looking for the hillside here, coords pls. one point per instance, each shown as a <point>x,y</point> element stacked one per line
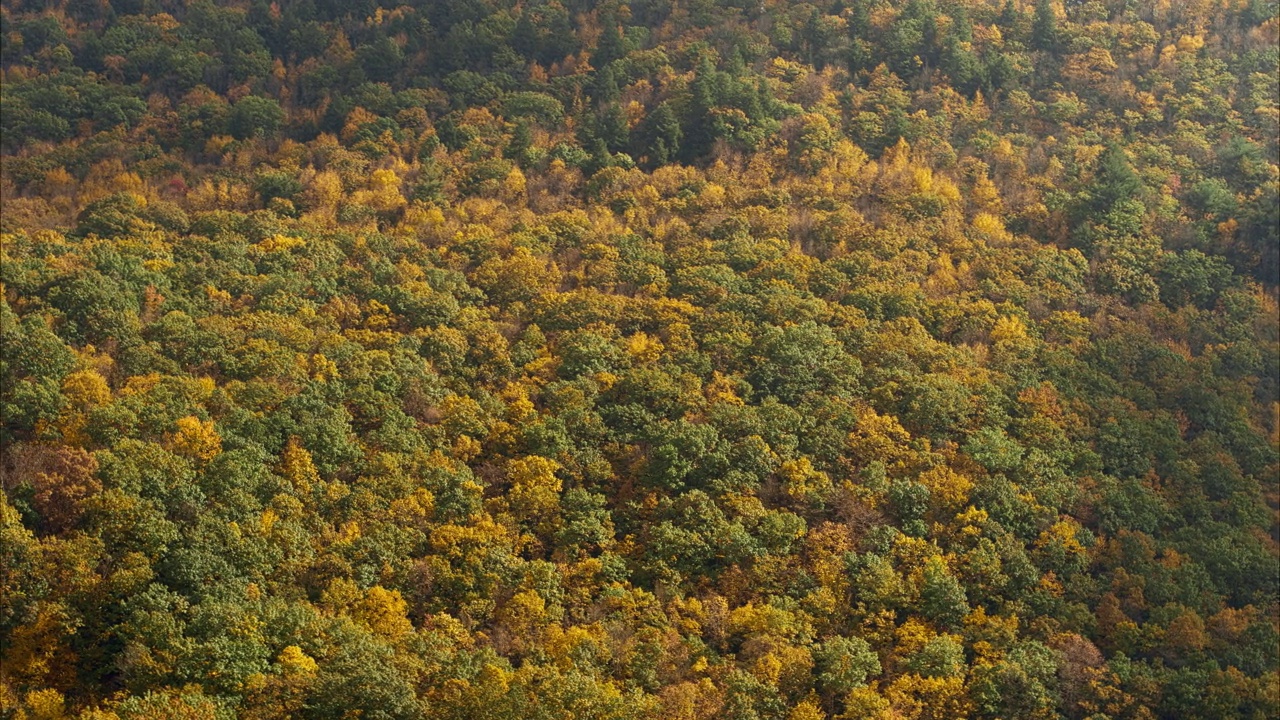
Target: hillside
<point>661,360</point>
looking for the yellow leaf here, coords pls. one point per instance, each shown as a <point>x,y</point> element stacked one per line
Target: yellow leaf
<point>196,438</point>
<point>296,662</point>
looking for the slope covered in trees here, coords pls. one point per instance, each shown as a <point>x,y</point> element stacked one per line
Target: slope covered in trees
<point>672,359</point>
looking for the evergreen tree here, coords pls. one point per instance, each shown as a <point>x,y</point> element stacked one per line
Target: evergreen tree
<point>1044,27</point>
<point>659,136</point>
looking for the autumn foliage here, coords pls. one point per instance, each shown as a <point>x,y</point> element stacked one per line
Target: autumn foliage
<point>482,359</point>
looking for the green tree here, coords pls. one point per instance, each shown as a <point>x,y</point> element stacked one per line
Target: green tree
<point>942,597</point>
<point>845,663</point>
<point>255,116</point>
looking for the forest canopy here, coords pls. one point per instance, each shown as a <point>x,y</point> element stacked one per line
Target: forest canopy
<point>663,359</point>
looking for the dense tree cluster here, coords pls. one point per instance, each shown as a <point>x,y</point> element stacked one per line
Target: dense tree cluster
<point>671,359</point>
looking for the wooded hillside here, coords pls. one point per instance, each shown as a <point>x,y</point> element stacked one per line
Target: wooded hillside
<point>671,360</point>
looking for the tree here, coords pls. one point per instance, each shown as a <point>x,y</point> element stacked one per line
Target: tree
<point>196,439</point>
<point>1114,183</point>
<point>659,136</point>
<point>255,116</point>
<point>534,486</point>
<point>942,598</point>
<point>33,364</point>
<point>844,664</point>
<point>1044,27</point>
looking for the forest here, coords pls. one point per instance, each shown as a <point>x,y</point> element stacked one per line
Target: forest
<point>640,360</point>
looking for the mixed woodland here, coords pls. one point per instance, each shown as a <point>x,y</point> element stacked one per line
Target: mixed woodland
<point>662,359</point>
